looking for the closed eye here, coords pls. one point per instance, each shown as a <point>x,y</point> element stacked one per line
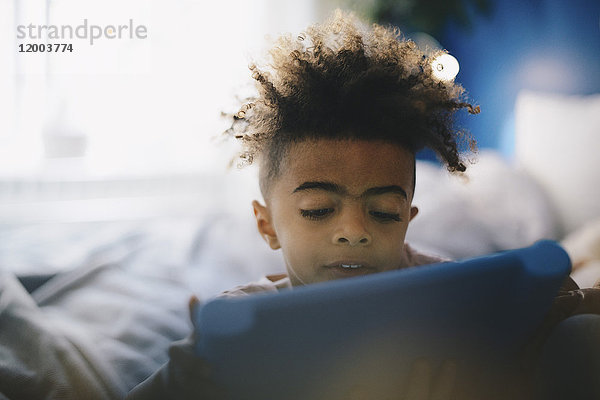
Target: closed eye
<point>385,217</point>
<point>316,214</point>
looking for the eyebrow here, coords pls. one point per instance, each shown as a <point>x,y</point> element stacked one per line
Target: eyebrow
<point>335,188</point>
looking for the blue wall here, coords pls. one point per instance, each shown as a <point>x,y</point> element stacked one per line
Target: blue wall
<point>544,45</point>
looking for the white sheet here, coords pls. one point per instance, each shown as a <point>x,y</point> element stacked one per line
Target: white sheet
<point>92,333</point>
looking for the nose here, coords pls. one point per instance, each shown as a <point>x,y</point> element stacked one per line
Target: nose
<point>352,229</point>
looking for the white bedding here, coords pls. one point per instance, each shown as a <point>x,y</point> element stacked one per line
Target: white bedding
<point>494,207</point>
<point>91,333</point>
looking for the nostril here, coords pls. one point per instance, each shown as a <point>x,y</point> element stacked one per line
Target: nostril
<point>343,240</point>
<point>364,240</point>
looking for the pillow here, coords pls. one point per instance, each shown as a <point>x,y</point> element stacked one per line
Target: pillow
<point>557,143</point>
<point>494,207</point>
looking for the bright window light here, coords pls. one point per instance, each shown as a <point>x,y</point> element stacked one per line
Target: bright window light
<point>136,106</point>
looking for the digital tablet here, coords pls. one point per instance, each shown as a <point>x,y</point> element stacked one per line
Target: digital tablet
<point>325,340</point>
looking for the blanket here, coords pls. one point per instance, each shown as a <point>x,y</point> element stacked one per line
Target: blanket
<point>92,333</point>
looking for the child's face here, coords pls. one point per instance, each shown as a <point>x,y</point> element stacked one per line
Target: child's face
<point>339,202</point>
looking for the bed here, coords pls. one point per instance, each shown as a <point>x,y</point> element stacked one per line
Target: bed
<point>88,306</point>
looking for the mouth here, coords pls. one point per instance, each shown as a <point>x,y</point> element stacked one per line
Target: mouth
<point>349,268</point>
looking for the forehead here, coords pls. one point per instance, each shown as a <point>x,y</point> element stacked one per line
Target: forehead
<point>355,164</point>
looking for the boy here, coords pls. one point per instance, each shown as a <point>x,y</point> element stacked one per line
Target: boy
<point>340,113</point>
<point>339,116</point>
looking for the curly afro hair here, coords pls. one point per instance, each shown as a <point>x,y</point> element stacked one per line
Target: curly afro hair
<point>344,80</point>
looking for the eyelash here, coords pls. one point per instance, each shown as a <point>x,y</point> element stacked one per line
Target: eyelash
<point>385,216</point>
<point>322,213</point>
<point>316,214</point>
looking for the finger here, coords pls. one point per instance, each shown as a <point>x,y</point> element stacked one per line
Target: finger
<point>443,387</point>
<point>419,380</point>
<point>192,305</point>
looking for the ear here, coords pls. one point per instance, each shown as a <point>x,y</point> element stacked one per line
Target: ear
<point>413,212</point>
<point>265,225</point>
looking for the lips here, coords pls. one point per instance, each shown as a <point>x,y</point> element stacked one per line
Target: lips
<point>348,268</point>
<point>350,264</point>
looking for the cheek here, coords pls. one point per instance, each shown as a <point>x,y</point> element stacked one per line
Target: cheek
<point>291,232</point>
<point>301,241</point>
<point>391,238</point>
